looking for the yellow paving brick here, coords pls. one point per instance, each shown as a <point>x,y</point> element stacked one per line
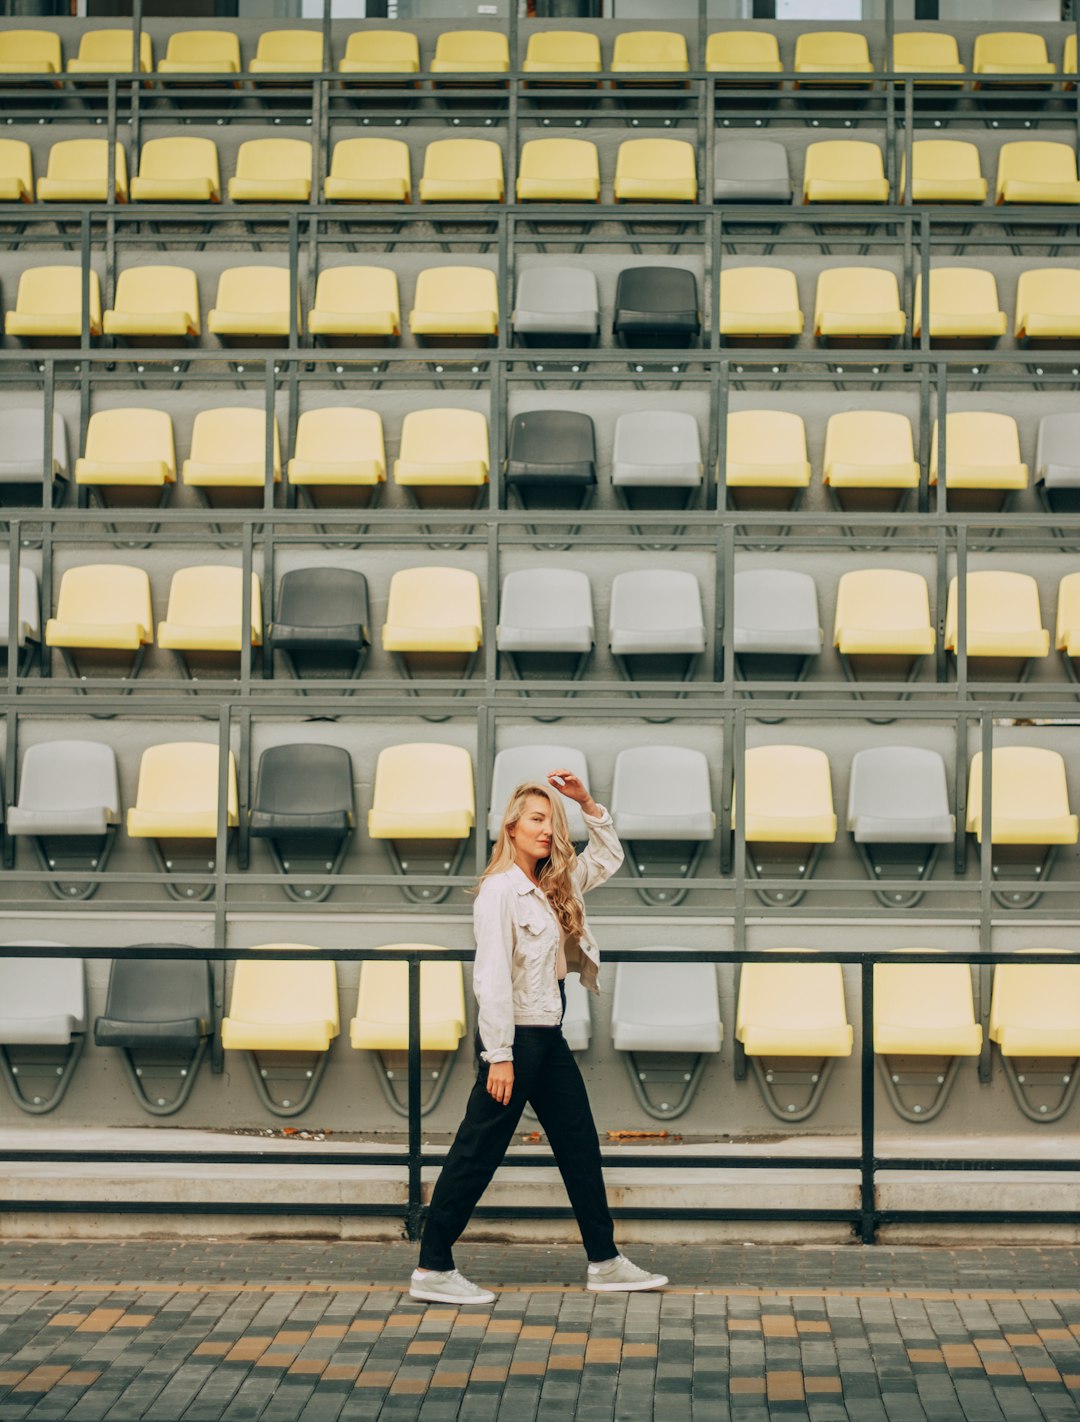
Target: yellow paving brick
<point>537,1330</point>
<point>784,1386</point>
<point>409,1385</point>
<point>340,1372</point>
<point>1041,1375</point>
<point>1001,1367</point>
<point>291,1338</point>
<point>960,1355</point>
<point>1055,1335</point>
<point>504,1325</point>
<point>815,1384</point>
<point>366,1325</point>
<point>925,1355</point>
<point>329,1330</point>
<point>278,1359</point>
<point>992,1345</point>
<point>639,1350</point>
<point>778,1325</point>
<point>211,1350</point>
<point>566,1362</point>
<point>575,1338</point>
<point>247,1350</point>
<point>41,1379</point>
<point>746,1385</point>
<point>488,1372</point>
<point>309,1366</point>
<point>1023,1340</point>
<point>450,1380</point>
<point>9,1377</point>
<point>66,1320</point>
<point>374,1379</point>
<point>100,1320</point>
<point>1071,1380</point>
<point>528,1370</point>
<point>134,1320</point>
<point>403,1320</point>
<point>429,1346</point>
<point>77,1379</point>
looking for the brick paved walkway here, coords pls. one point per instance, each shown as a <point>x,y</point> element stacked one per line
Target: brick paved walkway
<point>316,1332</point>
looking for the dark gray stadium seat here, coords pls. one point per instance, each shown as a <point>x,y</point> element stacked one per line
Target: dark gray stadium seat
<point>322,621</point>
<point>656,308</point>
<point>552,459</point>
<point>304,809</point>
<point>163,1008</point>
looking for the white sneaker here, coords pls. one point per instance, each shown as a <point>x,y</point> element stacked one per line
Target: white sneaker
<point>619,1276</point>
<point>449,1287</point>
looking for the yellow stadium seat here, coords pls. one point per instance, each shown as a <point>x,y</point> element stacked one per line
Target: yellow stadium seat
<point>155,304</point>
<point>339,458</point>
<point>759,305</point>
<point>228,452</point>
<point>1048,306</point>
<point>433,621</point>
<point>48,306</point>
<point>30,52</point>
<point>563,52</point>
<point>743,52</point>
<point>1004,622</point>
<point>205,612</point>
<point>272,170</point>
<point>455,305</point>
<point>792,1010</point>
<point>1030,811</point>
<point>869,459</point>
<point>462,170</point>
<point>201,52</point>
<point>831,52</point>
<point>471,52</point>
<point>443,455</point>
<point>945,170</point>
<point>858,305</point>
<point>656,170</point>
<point>1067,629</point>
<point>844,170</point>
<point>353,303</point>
<point>927,55</point>
<point>559,170</point>
<point>789,805</point>
<point>79,172</point>
<point>369,170</point>
<point>16,170</point>
<point>288,52</point>
<point>1035,172</point>
<point>767,465</point>
<point>178,170</point>
<point>649,51</point>
<point>1009,52</point>
<point>984,469</point>
<point>963,307</point>
<point>1035,1015</point>
<point>286,1006</point>
<point>923,1011</point>
<point>882,625</point>
<point>176,803</point>
<point>381,1023</point>
<point>111,52</point>
<point>381,52</point>
<point>423,801</point>
<point>129,457</point>
<point>252,307</point>
<point>1068,59</point>
<point>102,607</point>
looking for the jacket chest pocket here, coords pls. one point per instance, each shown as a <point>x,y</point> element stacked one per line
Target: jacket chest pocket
<point>535,929</point>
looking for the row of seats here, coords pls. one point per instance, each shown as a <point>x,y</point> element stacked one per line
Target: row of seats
<point>654,306</point>
<point>551,170</point>
<point>570,52</point>
<point>423,810</point>
<point>665,1019</point>
<point>551,461</point>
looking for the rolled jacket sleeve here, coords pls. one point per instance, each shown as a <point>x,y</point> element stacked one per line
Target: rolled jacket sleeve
<point>493,924</point>
<point>602,855</point>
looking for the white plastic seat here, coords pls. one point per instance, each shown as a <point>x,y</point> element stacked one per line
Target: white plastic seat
<point>666,1018</point>
<point>546,622</point>
<point>777,626</point>
<point>69,806</point>
<point>661,798</point>
<point>516,765</point>
<point>898,815</point>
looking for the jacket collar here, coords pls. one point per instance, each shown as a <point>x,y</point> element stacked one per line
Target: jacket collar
<point>520,880</point>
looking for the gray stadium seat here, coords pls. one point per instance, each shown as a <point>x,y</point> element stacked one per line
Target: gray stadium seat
<point>777,631</point>
<point>69,806</point>
<point>545,625</point>
<point>22,448</point>
<point>28,621</point>
<point>557,307</point>
<point>751,170</point>
<point>163,1009</point>
<point>656,628</point>
<point>656,459</point>
<point>577,1020</point>
<point>517,764</point>
<point>322,622</point>
<point>661,802</point>
<point>666,1018</point>
<point>898,815</point>
<point>304,808</point>
<point>42,1007</point>
<point>1057,462</point>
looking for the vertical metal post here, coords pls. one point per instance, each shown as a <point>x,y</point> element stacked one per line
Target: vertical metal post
<point>270,409</point>
<point>719,462</point>
<point>247,568</point>
<point>243,835</point>
<point>867,1200</point>
<point>269,589</point>
<point>909,139</point>
<point>84,281</point>
<point>14,528</point>
<point>11,761</point>
<point>221,845</point>
<point>48,461</point>
<point>413,1209</point>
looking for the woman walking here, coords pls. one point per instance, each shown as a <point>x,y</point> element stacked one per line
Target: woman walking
<point>530,930</point>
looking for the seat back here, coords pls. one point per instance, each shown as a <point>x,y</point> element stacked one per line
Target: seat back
<point>1044,997</point>
<point>430,598</point>
<point>34,992</point>
<point>457,290</point>
<point>831,49</point>
<point>280,158</point>
<point>28,621</point>
<point>57,291</point>
<point>531,764</point>
<point>566,159</point>
<point>844,160</point>
<point>323,597</point>
<point>1035,161</point>
<point>258,291</point>
<point>1010,51</point>
<point>472,49</point>
<point>285,993</point>
<point>793,998</point>
<point>959,291</point>
<point>15,159</point>
<point>212,596</point>
<point>379,158</point>
<point>923,995</point>
<point>149,990</point>
<point>337,431</point>
<point>114,49</point>
<point>298,780</point>
<point>382,1003</point>
<point>882,599</point>
<point>546,599</point>
<point>22,445</point>
<point>777,600</point>
<point>758,290</point>
<point>658,439</point>
<point>765,437</point>
<point>30,52</point>
<point>302,48</point>
<point>109,594</point>
<point>942,159</point>
<point>922,49</point>
<point>181,159</point>
<point>977,438</point>
<point>128,435</point>
<point>666,1007</point>
<point>662,792</point>
<point>182,777</point>
<point>656,158</point>
<point>424,778</point>
<point>792,786</point>
<point>864,291</point>
<point>214,50</point>
<point>152,291</point>
<point>656,50</point>
<point>357,291</point>
<point>394,50</point>
<point>463,160</point>
<point>231,435</point>
<point>1026,783</point>
<point>742,49</point>
<point>70,776</point>
<point>1047,291</point>
<point>660,600</point>
<point>897,783</point>
<point>563,49</point>
<point>444,436</point>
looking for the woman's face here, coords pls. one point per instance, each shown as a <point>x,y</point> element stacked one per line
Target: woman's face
<point>532,832</point>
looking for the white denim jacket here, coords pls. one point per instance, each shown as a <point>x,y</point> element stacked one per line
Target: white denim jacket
<point>517,944</point>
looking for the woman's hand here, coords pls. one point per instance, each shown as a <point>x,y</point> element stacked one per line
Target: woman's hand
<point>568,784</point>
<point>500,1081</point>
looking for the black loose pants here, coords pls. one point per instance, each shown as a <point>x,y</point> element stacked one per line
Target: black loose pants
<point>546,1076</point>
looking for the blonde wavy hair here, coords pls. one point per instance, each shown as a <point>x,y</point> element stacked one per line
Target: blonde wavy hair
<point>556,872</point>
